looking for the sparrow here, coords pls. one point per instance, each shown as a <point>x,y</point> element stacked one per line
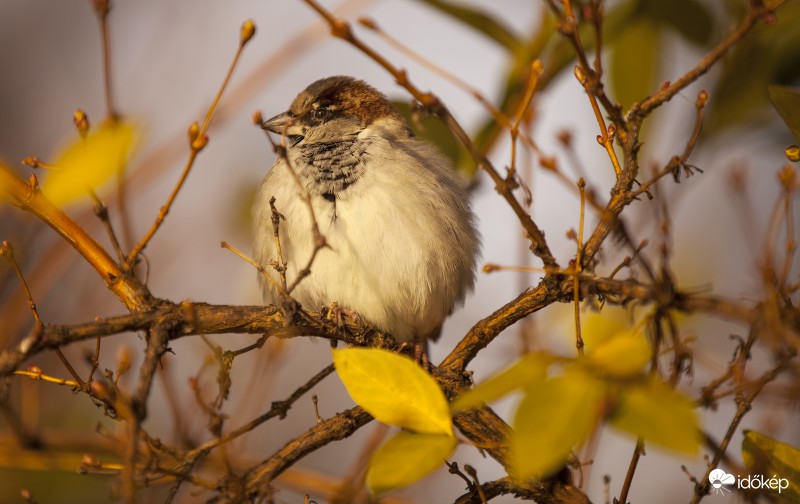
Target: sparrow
<point>402,238</point>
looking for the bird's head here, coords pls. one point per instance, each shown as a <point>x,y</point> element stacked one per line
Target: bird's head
<point>333,109</point>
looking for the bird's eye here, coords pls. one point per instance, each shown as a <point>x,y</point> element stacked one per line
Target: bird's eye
<point>320,113</point>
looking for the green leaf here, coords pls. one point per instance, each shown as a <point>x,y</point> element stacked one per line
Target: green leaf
<point>625,354</point>
<point>659,414</point>
<point>634,61</point>
<point>394,389</point>
<point>433,130</point>
<point>530,369</point>
<point>553,417</point>
<point>763,455</point>
<point>88,162</point>
<point>769,55</point>
<point>478,20</point>
<point>787,102</point>
<point>406,458</point>
<point>690,18</point>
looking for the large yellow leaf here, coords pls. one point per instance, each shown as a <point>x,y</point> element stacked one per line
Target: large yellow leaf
<point>406,458</point>
<point>624,354</point>
<point>659,414</point>
<point>90,161</point>
<point>599,327</point>
<point>553,417</point>
<point>778,462</point>
<point>394,389</point>
<point>528,370</point>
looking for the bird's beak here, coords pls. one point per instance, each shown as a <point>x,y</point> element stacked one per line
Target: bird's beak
<point>280,124</point>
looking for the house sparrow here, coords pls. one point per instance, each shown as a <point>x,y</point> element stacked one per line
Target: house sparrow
<point>396,217</point>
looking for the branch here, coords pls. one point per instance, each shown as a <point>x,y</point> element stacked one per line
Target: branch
<point>130,291</point>
<point>506,486</point>
<point>157,340</point>
<point>197,318</point>
<point>197,141</point>
<point>757,11</point>
<point>202,318</point>
<point>336,428</point>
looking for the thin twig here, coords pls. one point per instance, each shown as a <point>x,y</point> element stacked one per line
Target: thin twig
<point>7,251</point>
<point>95,361</point>
<point>626,485</point>
<point>595,8</point>
<point>788,179</point>
<point>521,112</point>
<point>102,8</point>
<point>498,115</point>
<point>578,270</point>
<point>756,12</point>
<point>37,374</point>
<point>592,83</point>
<point>70,369</point>
<point>677,162</point>
<point>278,409</point>
<point>276,217</point>
<point>101,211</point>
<point>319,239</point>
<point>743,405</point>
<point>607,133</point>
<point>197,141</point>
<point>254,264</point>
<point>492,267</point>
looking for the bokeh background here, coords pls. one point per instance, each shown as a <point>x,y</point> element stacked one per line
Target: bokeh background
<point>168,61</point>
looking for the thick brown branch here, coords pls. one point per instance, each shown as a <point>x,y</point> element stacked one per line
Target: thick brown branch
<point>199,318</point>
<point>202,318</point>
<point>483,332</point>
<point>505,486</point>
<point>133,294</point>
<point>336,428</point>
<point>157,341</point>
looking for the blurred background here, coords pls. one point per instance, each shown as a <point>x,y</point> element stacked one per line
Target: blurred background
<point>168,60</point>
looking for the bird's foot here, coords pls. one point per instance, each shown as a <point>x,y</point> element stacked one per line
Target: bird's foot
<point>339,315</point>
<point>418,352</point>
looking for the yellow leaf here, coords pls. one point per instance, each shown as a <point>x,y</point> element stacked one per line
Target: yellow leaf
<point>553,417</point>
<point>406,458</point>
<point>88,162</point>
<point>660,415</point>
<point>528,370</point>
<point>778,462</point>
<point>3,190</point>
<point>600,327</point>
<point>394,389</point>
<point>625,354</point>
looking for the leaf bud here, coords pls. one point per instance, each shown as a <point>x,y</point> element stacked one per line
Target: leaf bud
<point>247,31</point>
